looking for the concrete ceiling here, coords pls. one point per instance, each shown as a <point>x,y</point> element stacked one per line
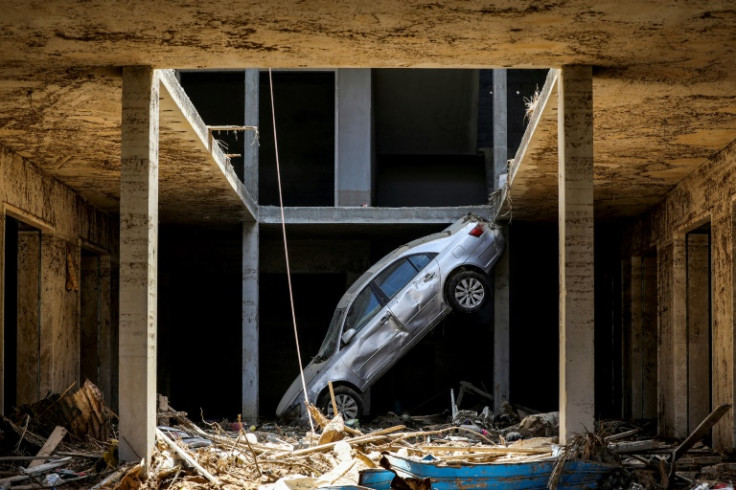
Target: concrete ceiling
<point>664,79</point>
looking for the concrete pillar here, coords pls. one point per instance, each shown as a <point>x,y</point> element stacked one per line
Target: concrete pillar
<point>723,248</point>
<point>501,330</point>
<point>354,137</point>
<point>575,129</point>
<point>250,265</point>
<point>250,152</point>
<point>671,361</point>
<point>138,262</point>
<point>250,322</point>
<point>500,125</point>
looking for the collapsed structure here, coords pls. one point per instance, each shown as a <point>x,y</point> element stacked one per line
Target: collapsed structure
<point>632,139</point>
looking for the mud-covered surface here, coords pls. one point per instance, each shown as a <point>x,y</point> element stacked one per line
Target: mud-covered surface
<point>68,125</point>
<point>663,78</point>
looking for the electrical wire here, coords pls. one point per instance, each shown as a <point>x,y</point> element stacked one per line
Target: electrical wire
<point>286,254</point>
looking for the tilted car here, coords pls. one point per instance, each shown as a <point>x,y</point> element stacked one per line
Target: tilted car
<point>391,307</point>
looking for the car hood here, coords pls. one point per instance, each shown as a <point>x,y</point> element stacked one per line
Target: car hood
<point>295,393</point>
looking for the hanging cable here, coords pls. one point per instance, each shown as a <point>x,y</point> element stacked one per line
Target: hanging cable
<point>286,254</point>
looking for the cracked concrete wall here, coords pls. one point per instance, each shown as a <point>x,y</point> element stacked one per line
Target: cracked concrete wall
<point>706,195</point>
<point>67,223</point>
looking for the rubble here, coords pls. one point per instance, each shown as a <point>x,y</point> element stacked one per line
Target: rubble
<point>228,455</point>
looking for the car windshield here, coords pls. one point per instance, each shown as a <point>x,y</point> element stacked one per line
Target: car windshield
<point>329,345</point>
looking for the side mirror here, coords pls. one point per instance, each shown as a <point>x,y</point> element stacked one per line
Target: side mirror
<point>348,336</point>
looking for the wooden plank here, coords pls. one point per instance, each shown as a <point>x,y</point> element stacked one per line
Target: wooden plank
<point>700,431</point>
<point>186,457</point>
<point>50,445</point>
<point>621,435</point>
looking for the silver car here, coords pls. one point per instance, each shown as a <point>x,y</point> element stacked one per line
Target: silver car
<point>391,307</point>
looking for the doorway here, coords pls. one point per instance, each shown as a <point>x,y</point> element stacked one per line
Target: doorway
<point>699,320</point>
<point>22,335</point>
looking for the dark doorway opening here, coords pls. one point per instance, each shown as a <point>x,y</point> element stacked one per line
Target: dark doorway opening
<point>22,314</point>
<point>699,322</point>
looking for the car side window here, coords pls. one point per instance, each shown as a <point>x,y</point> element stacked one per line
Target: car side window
<point>398,274</point>
<point>420,261</point>
<point>366,305</point>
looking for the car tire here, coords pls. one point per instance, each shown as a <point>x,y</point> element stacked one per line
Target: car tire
<point>467,291</point>
<point>348,401</point>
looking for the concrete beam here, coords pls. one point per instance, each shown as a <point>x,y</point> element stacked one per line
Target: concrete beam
<point>138,262</point>
<point>368,215</point>
<point>545,113</point>
<point>575,128</point>
<point>354,137</point>
<point>178,114</point>
<point>530,172</point>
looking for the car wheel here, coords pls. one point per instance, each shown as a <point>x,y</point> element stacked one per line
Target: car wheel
<point>467,291</point>
<point>348,403</point>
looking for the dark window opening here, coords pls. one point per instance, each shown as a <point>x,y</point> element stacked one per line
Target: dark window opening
<point>305,127</point>
<point>219,97</point>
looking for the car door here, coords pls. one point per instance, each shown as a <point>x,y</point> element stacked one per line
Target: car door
<point>382,345</point>
<point>418,305</point>
<point>366,332</point>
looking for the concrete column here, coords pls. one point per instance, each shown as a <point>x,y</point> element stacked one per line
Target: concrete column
<point>250,376</point>
<point>138,262</point>
<point>723,248</point>
<point>575,129</point>
<point>671,360</point>
<point>250,152</point>
<point>500,125</point>
<point>501,330</point>
<point>354,137</point>
<point>251,259</point>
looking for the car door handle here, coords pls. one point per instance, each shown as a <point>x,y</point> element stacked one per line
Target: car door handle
<point>384,319</point>
<point>428,277</point>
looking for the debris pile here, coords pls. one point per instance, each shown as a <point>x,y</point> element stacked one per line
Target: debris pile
<point>68,440</point>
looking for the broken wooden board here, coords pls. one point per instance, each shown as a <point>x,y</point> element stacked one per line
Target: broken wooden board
<point>50,445</point>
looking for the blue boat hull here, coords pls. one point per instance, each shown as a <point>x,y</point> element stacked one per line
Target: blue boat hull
<point>525,475</point>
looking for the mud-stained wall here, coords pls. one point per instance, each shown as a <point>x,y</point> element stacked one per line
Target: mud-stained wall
<point>705,196</point>
<point>49,327</point>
